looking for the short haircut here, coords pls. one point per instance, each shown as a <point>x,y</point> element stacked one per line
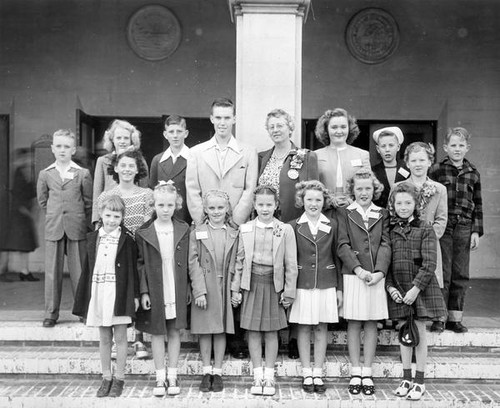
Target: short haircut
<point>113,203</point>
<point>109,134</point>
<point>457,131</point>
<point>175,120</point>
<point>404,187</point>
<point>222,102</point>
<point>280,113</point>
<point>364,174</point>
<point>302,187</point>
<point>168,188</point>
<point>142,170</point>
<point>65,133</point>
<point>420,147</point>
<point>322,126</point>
<point>218,194</point>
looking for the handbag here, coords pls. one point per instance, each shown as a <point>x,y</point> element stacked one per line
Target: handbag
<point>408,332</point>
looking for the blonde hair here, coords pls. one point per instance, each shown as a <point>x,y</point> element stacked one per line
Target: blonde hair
<point>109,134</point>
<point>457,131</point>
<point>66,133</point>
<point>218,194</point>
<point>302,187</point>
<point>167,188</point>
<point>364,174</point>
<point>419,147</point>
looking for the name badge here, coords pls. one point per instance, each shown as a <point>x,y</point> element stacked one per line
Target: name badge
<point>356,162</point>
<point>246,228</point>
<point>69,176</point>
<point>325,228</point>
<point>405,173</point>
<point>201,235</point>
<point>372,214</point>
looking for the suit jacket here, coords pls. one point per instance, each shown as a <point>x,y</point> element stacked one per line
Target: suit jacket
<point>67,203</point>
<point>308,171</point>
<point>238,180</point>
<point>149,265</point>
<point>127,279</point>
<point>167,170</point>
<point>284,256</point>
<point>369,247</point>
<point>402,173</point>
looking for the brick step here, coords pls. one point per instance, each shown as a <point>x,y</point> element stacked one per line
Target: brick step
<point>85,360</point>
<point>75,333</point>
<point>78,392</point>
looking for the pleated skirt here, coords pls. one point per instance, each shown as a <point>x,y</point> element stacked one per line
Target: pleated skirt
<point>362,302</point>
<point>314,306</point>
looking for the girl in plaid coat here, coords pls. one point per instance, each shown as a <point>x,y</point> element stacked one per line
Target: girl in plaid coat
<point>411,281</point>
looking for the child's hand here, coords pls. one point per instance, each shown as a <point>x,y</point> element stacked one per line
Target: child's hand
<point>340,299</point>
<point>201,302</point>
<point>136,304</point>
<point>474,241</point>
<point>285,301</point>
<point>395,294</point>
<point>236,298</point>
<point>363,274</point>
<point>411,295</point>
<point>376,278</point>
<point>145,301</point>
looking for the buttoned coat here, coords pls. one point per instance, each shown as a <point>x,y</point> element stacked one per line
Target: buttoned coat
<point>284,258</point>
<point>318,263</point>
<point>149,266</point>
<point>203,267</point>
<point>308,171</point>
<point>67,203</point>
<point>238,180</point>
<point>127,278</point>
<point>168,170</point>
<point>369,247</point>
<point>402,173</point>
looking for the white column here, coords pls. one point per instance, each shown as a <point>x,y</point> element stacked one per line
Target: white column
<point>268,64</point>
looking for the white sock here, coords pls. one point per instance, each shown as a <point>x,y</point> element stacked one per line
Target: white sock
<point>160,375</point>
<point>366,372</point>
<point>317,372</point>
<point>172,373</point>
<point>269,373</point>
<point>207,370</point>
<point>217,371</point>
<point>356,371</point>
<point>258,373</point>
<point>307,372</point>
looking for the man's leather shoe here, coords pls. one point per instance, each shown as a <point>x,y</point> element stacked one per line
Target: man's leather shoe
<point>49,323</point>
<point>456,327</point>
<point>293,351</point>
<point>437,327</point>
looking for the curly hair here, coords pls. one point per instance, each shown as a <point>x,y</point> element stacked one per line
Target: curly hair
<point>324,120</point>
<point>302,187</point>
<point>364,174</point>
<point>280,113</point>
<point>109,134</point>
<point>142,171</point>
<point>168,188</point>
<point>218,194</point>
<point>404,187</point>
<point>420,147</point>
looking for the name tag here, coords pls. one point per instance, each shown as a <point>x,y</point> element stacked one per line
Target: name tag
<point>69,176</point>
<point>201,234</point>
<point>325,228</point>
<point>246,228</point>
<point>356,162</point>
<point>371,214</point>
<point>405,173</point>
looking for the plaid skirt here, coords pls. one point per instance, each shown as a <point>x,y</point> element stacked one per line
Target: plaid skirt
<point>261,310</point>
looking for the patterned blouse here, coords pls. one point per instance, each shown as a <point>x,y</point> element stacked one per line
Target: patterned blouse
<point>271,174</point>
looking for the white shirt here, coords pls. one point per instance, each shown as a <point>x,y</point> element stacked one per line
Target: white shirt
<point>314,226</point>
<point>64,172</point>
<point>168,153</point>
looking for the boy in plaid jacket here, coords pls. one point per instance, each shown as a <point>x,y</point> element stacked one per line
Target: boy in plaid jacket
<point>465,221</point>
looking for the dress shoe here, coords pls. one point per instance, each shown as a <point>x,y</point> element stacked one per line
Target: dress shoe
<point>49,323</point>
<point>103,390</point>
<point>293,351</point>
<point>456,327</point>
<point>28,277</point>
<point>437,327</point>
<point>206,383</point>
<point>217,383</point>
<point>116,388</point>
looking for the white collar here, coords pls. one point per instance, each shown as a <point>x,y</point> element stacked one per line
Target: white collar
<point>322,218</point>
<point>114,234</point>
<point>232,144</point>
<point>224,226</point>
<point>72,165</point>
<point>260,224</point>
<point>168,153</point>
<point>355,206</point>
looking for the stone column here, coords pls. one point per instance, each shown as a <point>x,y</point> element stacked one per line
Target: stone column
<point>268,64</point>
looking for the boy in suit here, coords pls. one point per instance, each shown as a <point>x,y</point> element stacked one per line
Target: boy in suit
<point>64,191</point>
<point>171,164</point>
<point>390,170</point>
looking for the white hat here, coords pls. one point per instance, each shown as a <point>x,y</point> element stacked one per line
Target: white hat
<point>392,129</point>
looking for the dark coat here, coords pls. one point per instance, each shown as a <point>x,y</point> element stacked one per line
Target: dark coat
<point>379,171</point>
<point>358,246</point>
<point>167,170</point>
<point>127,278</point>
<point>309,171</point>
<point>149,265</point>
<point>414,254</point>
<point>318,263</point>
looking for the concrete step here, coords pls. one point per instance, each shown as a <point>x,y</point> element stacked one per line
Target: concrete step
<point>85,360</point>
<point>77,392</point>
<point>75,333</point>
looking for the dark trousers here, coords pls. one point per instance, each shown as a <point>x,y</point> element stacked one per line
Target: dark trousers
<point>455,248</point>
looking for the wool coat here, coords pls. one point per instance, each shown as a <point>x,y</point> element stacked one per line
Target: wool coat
<point>402,173</point>
<point>309,171</point>
<point>414,253</point>
<point>369,247</point>
<point>127,278</point>
<point>216,318</point>
<point>149,265</point>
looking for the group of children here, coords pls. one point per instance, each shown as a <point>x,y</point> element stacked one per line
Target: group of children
<point>330,262</point>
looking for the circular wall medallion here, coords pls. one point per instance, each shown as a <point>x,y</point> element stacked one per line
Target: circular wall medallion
<point>372,35</point>
<point>153,32</point>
